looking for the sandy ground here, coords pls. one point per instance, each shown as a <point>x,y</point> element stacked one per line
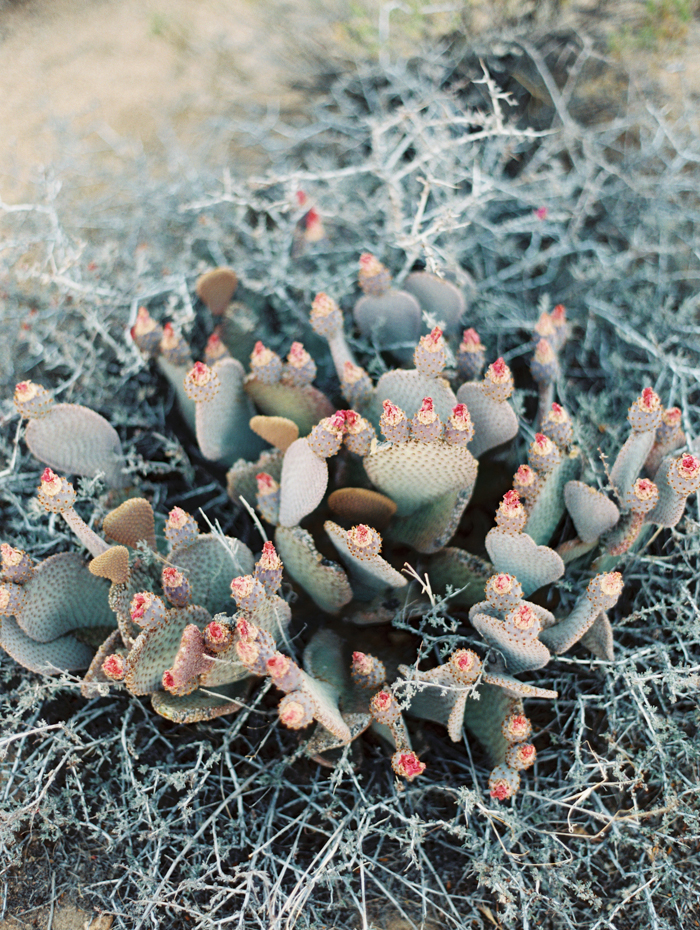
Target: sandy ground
<point>122,76</point>
<point>126,75</point>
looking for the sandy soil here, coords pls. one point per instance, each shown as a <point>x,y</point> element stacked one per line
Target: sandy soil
<point>122,76</point>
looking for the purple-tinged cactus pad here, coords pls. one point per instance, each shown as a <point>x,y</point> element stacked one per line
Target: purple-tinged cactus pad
<point>17,566</point>
<point>407,389</point>
<point>592,511</point>
<point>415,473</point>
<point>392,318</point>
<point>599,638</point>
<point>431,527</point>
<point>189,663</point>
<point>305,405</point>
<point>323,740</point>
<point>444,301</point>
<point>155,649</point>
<point>519,554</point>
<point>222,423</point>
<point>210,564</point>
<point>74,439</point>
<point>303,483</point>
<point>547,509</point>
<point>325,582</point>
<point>517,689</point>
<point>368,576</point>
<point>62,596</point>
<point>63,654</point>
<point>495,422</point>
<point>601,594</point>
<point>192,708</point>
<point>630,460</point>
<point>519,656</point>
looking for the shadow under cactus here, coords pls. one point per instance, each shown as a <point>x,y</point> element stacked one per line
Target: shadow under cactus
<point>211,822</point>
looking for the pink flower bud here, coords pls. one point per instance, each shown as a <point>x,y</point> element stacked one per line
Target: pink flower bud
<point>516,728</point>
<point>646,412</point>
<point>524,618</point>
<point>301,368</point>
<point>217,637</point>
<point>269,559</point>
<point>144,324</point>
<point>176,586</point>
<point>503,782</point>
<point>604,590</point>
<point>511,515</point>
<point>114,667</point>
<point>298,356</point>
<point>459,429</point>
<point>246,629</point>
<point>265,364</point>
<point>326,438</point>
<point>520,756</point>
<point>642,496</point>
<point>684,476</point>
<point>364,542</point>
<point>503,591</point>
<point>544,353</point>
<point>356,384</point>
<point>201,383</point>
<point>374,278</point>
<point>173,346</point>
<point>326,317</point>
<point>498,381</point>
<point>55,494</point>
<point>50,483</point>
<point>526,482</point>
<point>367,671</point>
<point>286,674</point>
<point>433,341</point>
<point>471,341</point>
<point>215,349</point>
<point>426,425</point>
<point>407,765</point>
<point>296,710</point>
<point>147,609</point>
<point>393,422</point>
<point>430,355</point>
<point>544,327</point>
<point>384,708</point>
<point>543,454</point>
<point>465,666</point>
<point>266,483</point>
<point>180,529</point>
<point>248,592</point>
<point>17,566</point>
<point>32,400</point>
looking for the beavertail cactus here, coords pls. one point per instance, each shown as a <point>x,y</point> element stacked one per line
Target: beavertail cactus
<point>348,484</point>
